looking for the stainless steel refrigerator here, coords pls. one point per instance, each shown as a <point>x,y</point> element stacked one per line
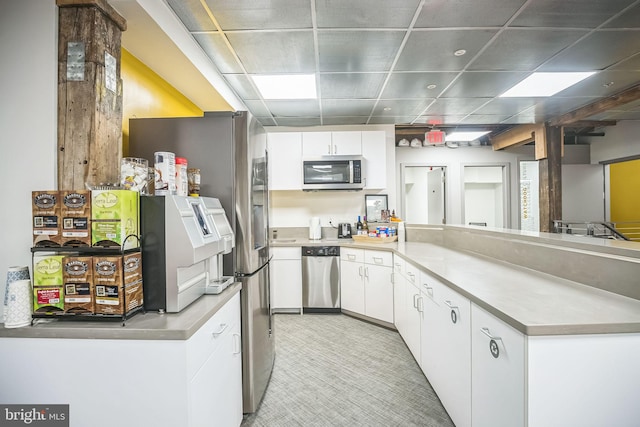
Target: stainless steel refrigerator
<point>230,149</point>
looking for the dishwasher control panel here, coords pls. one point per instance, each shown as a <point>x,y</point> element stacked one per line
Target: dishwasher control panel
<point>321,251</point>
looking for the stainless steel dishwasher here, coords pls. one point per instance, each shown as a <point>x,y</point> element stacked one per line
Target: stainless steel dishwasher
<point>321,278</point>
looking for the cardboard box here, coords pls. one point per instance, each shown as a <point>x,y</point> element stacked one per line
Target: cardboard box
<point>45,207</point>
<point>114,217</point>
<point>76,218</point>
<point>118,283</point>
<point>47,269</point>
<point>48,299</point>
<point>78,284</point>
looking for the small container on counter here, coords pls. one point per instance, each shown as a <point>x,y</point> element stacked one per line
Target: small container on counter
<point>193,175</point>
<point>134,173</point>
<point>165,173</point>
<point>182,183</point>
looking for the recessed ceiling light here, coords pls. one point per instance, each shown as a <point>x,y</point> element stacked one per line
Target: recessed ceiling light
<point>432,87</point>
<point>387,108</point>
<point>464,136</point>
<point>286,86</point>
<point>545,84</point>
<point>459,52</point>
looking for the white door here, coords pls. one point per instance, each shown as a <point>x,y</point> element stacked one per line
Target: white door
<point>352,286</point>
<point>435,196</point>
<point>423,194</point>
<point>485,196</point>
<point>378,292</point>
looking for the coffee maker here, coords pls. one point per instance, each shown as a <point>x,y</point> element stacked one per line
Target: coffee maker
<point>344,230</point>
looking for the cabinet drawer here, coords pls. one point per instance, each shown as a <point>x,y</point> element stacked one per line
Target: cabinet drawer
<point>378,258</point>
<point>431,287</point>
<point>412,273</point>
<point>287,253</point>
<point>351,254</point>
<point>210,336</point>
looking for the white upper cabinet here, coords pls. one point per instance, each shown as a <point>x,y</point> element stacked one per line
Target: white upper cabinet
<point>316,144</point>
<point>375,155</point>
<point>285,164</point>
<point>346,143</point>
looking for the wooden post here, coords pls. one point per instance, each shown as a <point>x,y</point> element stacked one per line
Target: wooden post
<point>550,179</point>
<point>89,93</point>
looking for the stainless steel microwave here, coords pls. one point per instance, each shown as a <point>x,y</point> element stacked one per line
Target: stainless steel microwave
<point>333,173</point>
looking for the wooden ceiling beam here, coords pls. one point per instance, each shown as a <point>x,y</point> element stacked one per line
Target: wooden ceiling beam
<point>609,103</point>
<point>516,136</point>
<point>591,124</point>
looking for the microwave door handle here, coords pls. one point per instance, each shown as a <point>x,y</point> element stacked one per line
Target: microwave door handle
<point>350,172</point>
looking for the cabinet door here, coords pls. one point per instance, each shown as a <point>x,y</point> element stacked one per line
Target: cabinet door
<point>413,308</point>
<point>378,292</point>
<point>215,392</point>
<point>453,345</point>
<point>316,144</point>
<point>352,286</point>
<point>285,160</point>
<point>399,292</point>
<point>286,283</point>
<point>375,153</point>
<point>497,372</point>
<point>347,143</point>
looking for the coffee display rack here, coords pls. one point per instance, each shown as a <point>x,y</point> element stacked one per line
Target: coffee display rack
<point>83,250</point>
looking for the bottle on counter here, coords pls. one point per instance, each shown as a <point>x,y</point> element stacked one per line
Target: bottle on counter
<point>359,226</point>
<point>365,226</point>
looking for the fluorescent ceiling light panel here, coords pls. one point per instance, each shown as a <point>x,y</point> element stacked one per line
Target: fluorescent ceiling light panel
<point>464,136</point>
<point>286,86</point>
<point>545,84</point>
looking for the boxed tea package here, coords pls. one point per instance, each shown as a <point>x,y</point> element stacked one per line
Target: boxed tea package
<point>76,218</point>
<point>48,299</point>
<point>47,269</point>
<point>114,217</point>
<point>118,290</point>
<point>78,284</point>
<point>45,207</point>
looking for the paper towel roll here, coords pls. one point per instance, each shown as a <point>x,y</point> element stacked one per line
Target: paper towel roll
<point>19,304</point>
<point>14,273</point>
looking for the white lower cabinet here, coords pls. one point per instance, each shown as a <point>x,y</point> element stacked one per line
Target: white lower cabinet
<point>286,279</point>
<point>414,308</point>
<point>399,292</point>
<point>446,347</point>
<point>365,283</point>
<point>497,372</point>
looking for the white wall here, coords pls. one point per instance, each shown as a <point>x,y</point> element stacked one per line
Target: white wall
<point>583,193</point>
<point>620,141</point>
<point>294,208</point>
<point>28,120</point>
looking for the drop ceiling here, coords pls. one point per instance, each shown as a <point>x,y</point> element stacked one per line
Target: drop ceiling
<point>395,62</point>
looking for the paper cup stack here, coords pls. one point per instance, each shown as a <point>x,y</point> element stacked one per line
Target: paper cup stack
<point>17,298</point>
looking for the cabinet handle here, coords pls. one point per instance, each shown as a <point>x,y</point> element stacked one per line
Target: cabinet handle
<point>420,305</point>
<point>351,257</point>
<point>335,149</point>
<point>366,272</point>
<point>415,304</point>
<point>223,327</point>
<point>360,271</point>
<point>493,342</point>
<point>329,148</point>
<point>429,289</point>
<point>377,259</point>
<point>454,311</point>
<point>413,277</point>
<point>237,343</point>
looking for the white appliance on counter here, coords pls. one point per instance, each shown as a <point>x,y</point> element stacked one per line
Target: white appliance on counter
<point>183,241</point>
<point>315,229</point>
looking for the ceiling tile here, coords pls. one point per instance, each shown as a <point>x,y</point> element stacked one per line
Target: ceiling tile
<point>433,50</point>
<point>467,13</point>
<point>483,84</point>
<point>294,108</point>
<point>242,86</point>
<point>351,85</point>
<point>344,120</point>
<point>550,107</point>
<point>215,48</point>
<point>414,85</point>
<point>440,119</point>
<point>603,84</point>
<point>347,107</point>
<point>261,14</point>
<point>298,121</point>
<point>258,108</point>
<point>597,51</point>
<point>389,120</point>
<point>275,52</point>
<point>484,119</point>
<point>369,14</point>
<point>524,49</point>
<point>358,50</point>
<point>266,121</point>
<point>569,13</point>
<point>401,107</point>
<point>507,106</point>
<point>631,64</point>
<point>628,19</point>
<point>455,106</point>
<point>192,14</point>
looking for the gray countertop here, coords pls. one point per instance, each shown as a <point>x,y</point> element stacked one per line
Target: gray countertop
<point>142,326</point>
<point>532,302</point>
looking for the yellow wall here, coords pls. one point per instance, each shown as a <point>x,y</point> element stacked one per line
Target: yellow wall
<point>625,191</point>
<point>145,94</point>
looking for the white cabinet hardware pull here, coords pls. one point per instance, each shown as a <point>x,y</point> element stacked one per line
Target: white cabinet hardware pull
<point>329,148</point>
<point>420,305</point>
<point>415,304</point>
<point>493,343</point>
<point>223,327</point>
<point>452,307</point>
<point>377,260</point>
<point>360,271</point>
<point>237,343</point>
<point>413,277</point>
<point>429,289</point>
<point>351,257</point>
<point>454,311</point>
<point>366,272</point>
